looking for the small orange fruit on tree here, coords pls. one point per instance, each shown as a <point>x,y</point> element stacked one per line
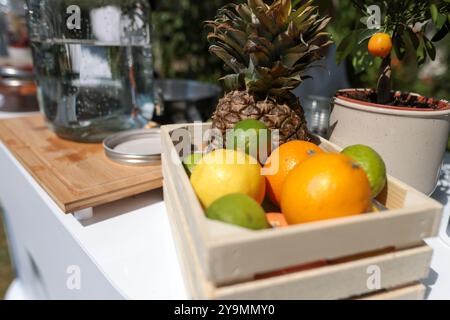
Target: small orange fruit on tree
<point>380,45</point>
<point>392,24</point>
<point>281,161</point>
<point>325,186</point>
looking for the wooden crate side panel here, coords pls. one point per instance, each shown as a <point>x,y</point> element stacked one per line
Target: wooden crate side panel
<point>240,259</point>
<point>412,292</point>
<point>193,276</point>
<point>338,281</point>
<point>192,209</point>
<point>345,280</point>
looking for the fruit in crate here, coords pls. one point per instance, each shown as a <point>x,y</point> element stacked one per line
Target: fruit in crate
<point>268,49</point>
<point>325,186</point>
<point>251,136</point>
<point>372,163</point>
<point>224,171</point>
<point>276,219</point>
<point>238,209</point>
<point>282,161</point>
<point>190,161</point>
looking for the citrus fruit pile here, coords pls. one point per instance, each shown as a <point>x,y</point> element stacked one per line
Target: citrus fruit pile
<point>299,179</point>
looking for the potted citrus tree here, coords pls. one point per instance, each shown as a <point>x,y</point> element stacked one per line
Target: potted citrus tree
<point>409,130</point>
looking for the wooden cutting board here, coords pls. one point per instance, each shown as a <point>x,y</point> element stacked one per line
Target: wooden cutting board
<point>76,175</point>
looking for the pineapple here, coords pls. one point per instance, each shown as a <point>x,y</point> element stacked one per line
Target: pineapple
<point>268,48</point>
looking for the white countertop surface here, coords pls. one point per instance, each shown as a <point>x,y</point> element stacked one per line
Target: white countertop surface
<point>131,242</point>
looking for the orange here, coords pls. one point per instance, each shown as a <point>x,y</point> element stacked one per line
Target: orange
<point>380,45</point>
<point>325,186</point>
<point>276,219</point>
<point>282,161</point>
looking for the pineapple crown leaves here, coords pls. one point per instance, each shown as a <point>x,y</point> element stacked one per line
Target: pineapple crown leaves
<point>268,47</point>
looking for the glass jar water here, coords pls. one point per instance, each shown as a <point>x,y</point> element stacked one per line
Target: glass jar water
<point>93,64</point>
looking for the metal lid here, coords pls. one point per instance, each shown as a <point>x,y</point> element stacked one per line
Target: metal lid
<point>134,147</point>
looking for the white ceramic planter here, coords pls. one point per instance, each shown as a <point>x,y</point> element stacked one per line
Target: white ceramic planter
<point>411,141</point>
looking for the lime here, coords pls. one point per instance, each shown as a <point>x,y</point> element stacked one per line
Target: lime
<point>372,163</point>
<point>238,209</point>
<point>250,136</point>
<point>190,161</point>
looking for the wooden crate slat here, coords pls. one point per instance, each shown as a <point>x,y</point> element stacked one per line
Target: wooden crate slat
<point>412,292</point>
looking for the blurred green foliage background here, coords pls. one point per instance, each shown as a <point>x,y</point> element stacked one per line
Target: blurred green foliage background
<point>181,49</point>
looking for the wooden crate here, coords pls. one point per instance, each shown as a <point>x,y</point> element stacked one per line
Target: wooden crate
<point>223,260</point>
<point>411,292</point>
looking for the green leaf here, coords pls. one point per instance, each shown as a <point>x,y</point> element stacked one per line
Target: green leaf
<point>440,34</point>
<point>413,37</point>
<point>285,10</point>
<point>431,49</point>
<point>441,20</point>
<point>399,47</point>
<point>225,41</point>
<point>361,61</point>
<point>365,34</point>
<point>300,10</point>
<point>229,60</point>
<point>346,46</point>
<point>244,12</point>
<point>421,53</point>
<point>434,13</point>
<point>260,9</point>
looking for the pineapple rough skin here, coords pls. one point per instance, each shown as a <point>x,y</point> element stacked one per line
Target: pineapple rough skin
<point>288,118</point>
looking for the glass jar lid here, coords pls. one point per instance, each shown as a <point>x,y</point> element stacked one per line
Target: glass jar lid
<point>134,147</point>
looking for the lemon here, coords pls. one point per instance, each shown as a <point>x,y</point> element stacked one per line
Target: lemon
<point>371,162</point>
<point>190,161</point>
<point>238,209</point>
<point>222,172</point>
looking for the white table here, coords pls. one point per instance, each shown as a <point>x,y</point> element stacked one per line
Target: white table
<point>124,251</point>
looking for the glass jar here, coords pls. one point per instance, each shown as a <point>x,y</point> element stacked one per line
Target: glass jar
<point>93,65</point>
